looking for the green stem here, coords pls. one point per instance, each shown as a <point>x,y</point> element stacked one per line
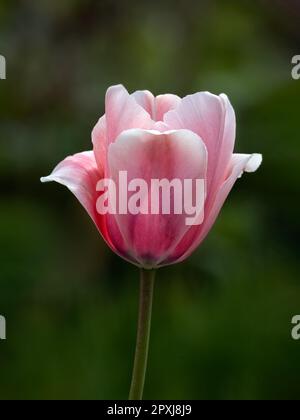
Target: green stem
<point>143,334</point>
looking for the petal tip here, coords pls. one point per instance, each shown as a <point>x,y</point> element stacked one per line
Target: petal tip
<point>254,162</point>
<point>44,179</point>
<point>116,88</point>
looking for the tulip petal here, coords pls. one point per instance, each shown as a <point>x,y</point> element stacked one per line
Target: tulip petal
<point>157,106</point>
<point>164,104</point>
<point>123,113</point>
<point>239,164</point>
<point>213,119</point>
<point>80,174</point>
<point>100,144</point>
<point>146,100</point>
<point>149,155</point>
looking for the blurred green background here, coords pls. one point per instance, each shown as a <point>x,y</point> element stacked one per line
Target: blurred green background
<point>222,320</point>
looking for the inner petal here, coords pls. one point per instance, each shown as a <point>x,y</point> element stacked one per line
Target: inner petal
<point>156,106</point>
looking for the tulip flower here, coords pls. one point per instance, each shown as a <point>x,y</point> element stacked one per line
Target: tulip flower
<point>163,138</point>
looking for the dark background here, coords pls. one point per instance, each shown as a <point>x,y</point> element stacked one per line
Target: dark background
<point>222,320</point>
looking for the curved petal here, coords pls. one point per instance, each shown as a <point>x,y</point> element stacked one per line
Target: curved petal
<point>146,100</point>
<point>123,112</point>
<point>239,163</point>
<point>80,174</point>
<point>164,104</point>
<point>213,119</point>
<point>99,136</point>
<point>157,106</point>
<point>148,155</point>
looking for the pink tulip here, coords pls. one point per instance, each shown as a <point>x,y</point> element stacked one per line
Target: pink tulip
<point>158,137</point>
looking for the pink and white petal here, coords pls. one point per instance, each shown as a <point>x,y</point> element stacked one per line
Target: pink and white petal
<point>247,163</point>
<point>80,174</point>
<point>99,136</point>
<point>239,164</point>
<point>213,119</point>
<point>123,112</point>
<point>149,155</point>
<point>146,100</point>
<point>156,106</point>
<point>164,104</point>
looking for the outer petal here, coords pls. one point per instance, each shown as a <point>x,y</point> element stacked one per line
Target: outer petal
<point>151,155</point>
<point>80,174</point>
<point>239,163</point>
<point>212,118</point>
<point>99,136</point>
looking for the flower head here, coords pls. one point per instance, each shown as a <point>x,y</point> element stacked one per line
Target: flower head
<point>163,138</point>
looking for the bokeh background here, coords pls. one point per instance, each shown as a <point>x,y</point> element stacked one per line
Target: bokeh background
<point>222,320</point>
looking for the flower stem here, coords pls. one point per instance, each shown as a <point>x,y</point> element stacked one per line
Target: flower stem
<point>143,334</point>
